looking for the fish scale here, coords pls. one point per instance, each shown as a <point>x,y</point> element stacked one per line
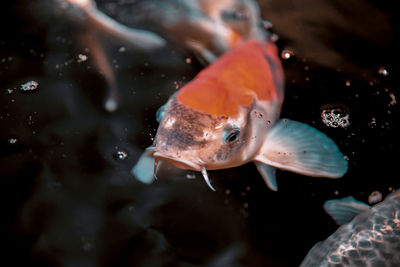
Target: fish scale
<point>372,238</point>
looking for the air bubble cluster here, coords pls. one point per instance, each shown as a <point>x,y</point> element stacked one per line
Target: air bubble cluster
<point>335,117</point>
<point>29,86</point>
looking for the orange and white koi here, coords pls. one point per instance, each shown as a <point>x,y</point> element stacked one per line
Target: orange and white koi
<point>229,115</point>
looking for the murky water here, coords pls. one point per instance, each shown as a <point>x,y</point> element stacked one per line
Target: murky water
<point>68,196</point>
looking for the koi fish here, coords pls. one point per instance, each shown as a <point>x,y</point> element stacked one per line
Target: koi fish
<point>206,27</point>
<point>368,236</point>
<point>229,115</point>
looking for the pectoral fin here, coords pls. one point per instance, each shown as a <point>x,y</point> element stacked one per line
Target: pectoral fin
<point>345,209</point>
<point>300,148</point>
<point>268,174</point>
<point>144,168</point>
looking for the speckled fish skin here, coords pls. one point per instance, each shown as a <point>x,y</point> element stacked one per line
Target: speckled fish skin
<point>192,133</point>
<point>372,238</point>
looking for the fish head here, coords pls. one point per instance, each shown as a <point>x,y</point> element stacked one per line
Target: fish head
<point>242,17</point>
<point>194,140</point>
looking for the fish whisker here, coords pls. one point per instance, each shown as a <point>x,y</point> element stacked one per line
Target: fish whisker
<point>155,170</point>
<point>205,176</point>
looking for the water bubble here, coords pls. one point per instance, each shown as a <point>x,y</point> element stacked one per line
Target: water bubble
<point>87,246</point>
<point>122,49</point>
<point>121,155</point>
<point>190,176</point>
<point>375,197</point>
<point>383,71</point>
<point>29,86</point>
<point>335,117</point>
<point>111,105</point>
<point>273,37</point>
<point>266,24</point>
<point>286,54</point>
<point>82,58</point>
<point>393,99</point>
<point>12,140</point>
<point>188,60</point>
<point>372,123</point>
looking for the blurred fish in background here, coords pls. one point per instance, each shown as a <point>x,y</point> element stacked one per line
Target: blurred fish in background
<point>205,27</point>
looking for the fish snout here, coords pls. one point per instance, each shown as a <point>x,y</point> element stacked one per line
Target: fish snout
<point>177,161</point>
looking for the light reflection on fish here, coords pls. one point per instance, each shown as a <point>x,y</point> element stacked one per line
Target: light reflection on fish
<point>229,115</point>
<point>368,236</point>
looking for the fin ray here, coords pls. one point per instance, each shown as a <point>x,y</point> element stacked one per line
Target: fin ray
<point>300,148</point>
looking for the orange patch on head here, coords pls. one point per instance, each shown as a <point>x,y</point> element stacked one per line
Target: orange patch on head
<point>235,39</point>
<point>234,80</point>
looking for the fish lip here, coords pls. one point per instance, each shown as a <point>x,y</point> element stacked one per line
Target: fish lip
<point>180,163</point>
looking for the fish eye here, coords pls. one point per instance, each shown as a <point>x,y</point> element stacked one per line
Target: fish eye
<point>160,113</point>
<point>232,135</point>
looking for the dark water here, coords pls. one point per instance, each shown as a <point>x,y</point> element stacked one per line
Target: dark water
<point>68,198</point>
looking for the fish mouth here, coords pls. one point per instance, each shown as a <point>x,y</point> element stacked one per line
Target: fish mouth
<point>180,163</point>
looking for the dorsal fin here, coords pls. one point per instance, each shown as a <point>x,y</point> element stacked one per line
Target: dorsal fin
<point>345,209</point>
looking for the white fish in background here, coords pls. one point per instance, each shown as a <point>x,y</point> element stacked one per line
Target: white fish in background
<point>369,236</point>
<point>206,27</point>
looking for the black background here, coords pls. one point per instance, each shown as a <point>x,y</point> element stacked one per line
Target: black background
<point>67,200</point>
